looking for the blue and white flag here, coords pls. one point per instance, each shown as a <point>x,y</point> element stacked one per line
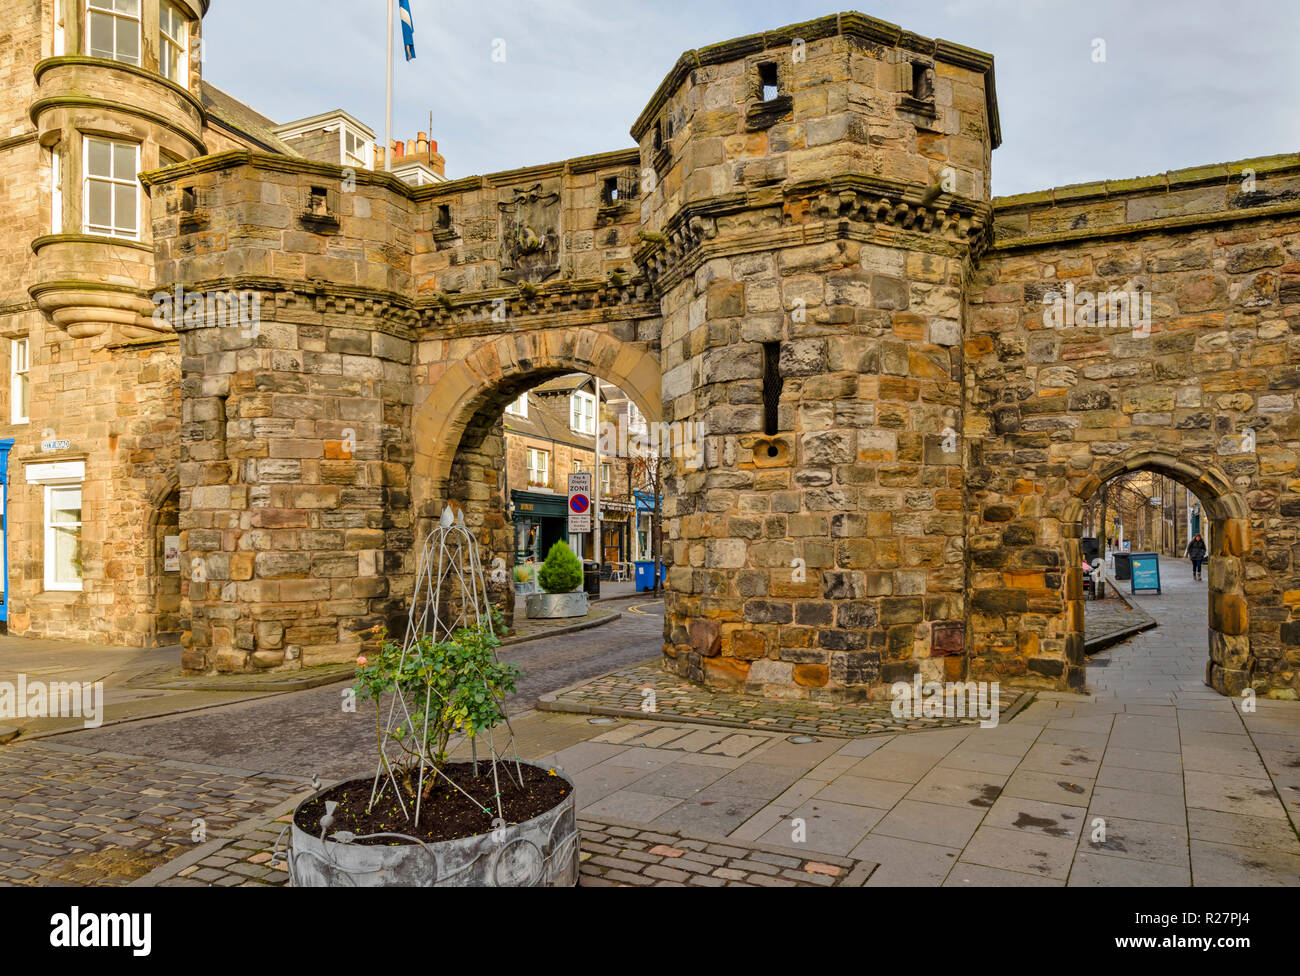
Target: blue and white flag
<point>408,28</point>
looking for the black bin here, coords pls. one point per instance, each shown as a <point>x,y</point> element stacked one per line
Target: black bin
<point>591,578</point>
<point>1123,566</point>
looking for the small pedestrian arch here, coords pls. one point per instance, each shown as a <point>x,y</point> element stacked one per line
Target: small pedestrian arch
<point>1230,664</point>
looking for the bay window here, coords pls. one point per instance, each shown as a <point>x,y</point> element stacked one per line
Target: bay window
<point>111,192</point>
<point>173,44</point>
<point>113,30</point>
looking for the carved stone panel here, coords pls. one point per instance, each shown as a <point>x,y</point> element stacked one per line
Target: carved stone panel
<point>530,234</point>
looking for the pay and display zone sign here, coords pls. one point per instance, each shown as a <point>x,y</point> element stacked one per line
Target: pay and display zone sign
<point>580,502</point>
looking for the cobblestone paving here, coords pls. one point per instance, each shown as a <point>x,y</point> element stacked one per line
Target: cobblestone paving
<point>626,693</point>
<point>615,854</point>
<point>78,816</point>
<point>1116,614</point>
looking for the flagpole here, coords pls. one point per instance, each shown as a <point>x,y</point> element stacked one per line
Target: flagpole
<point>388,93</point>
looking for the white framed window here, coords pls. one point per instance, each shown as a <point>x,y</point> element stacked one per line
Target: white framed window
<point>56,191</point>
<point>60,42</point>
<point>606,480</point>
<point>519,408</point>
<point>173,44</point>
<point>63,537</point>
<point>111,192</point>
<point>357,149</point>
<point>539,468</point>
<point>582,412</point>
<point>113,30</point>
<point>19,382</point>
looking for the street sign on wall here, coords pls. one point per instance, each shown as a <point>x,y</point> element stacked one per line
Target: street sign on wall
<point>580,501</point>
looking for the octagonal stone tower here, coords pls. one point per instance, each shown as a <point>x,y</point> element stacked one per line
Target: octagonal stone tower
<point>816,196</point>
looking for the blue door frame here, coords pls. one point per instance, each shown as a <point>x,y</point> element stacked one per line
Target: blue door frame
<point>6,445</point>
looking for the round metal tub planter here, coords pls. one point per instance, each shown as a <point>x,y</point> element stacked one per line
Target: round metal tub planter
<point>541,852</point>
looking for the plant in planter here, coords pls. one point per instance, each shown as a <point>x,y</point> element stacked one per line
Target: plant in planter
<point>525,579</point>
<point>560,576</point>
<point>425,818</point>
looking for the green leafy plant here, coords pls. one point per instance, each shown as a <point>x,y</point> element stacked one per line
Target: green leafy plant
<point>448,686</point>
<point>561,571</point>
<point>523,573</point>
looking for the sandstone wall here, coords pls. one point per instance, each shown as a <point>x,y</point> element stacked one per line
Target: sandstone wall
<point>1208,396</point>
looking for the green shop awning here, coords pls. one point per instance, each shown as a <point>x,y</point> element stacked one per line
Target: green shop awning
<point>540,504</point>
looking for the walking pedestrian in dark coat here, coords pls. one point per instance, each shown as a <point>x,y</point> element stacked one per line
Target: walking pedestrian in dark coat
<point>1196,553</point>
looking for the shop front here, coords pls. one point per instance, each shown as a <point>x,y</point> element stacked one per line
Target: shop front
<point>540,519</point>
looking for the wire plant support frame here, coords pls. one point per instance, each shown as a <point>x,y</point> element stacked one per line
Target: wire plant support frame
<point>450,595</point>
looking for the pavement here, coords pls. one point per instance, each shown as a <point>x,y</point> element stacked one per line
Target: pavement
<point>1150,779</point>
<point>1112,618</point>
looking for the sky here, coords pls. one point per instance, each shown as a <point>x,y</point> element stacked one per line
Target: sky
<point>513,83</point>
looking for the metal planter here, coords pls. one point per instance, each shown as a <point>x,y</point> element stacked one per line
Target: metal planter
<point>541,852</point>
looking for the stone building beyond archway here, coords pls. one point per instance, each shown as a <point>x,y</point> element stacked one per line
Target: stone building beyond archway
<point>906,386</point>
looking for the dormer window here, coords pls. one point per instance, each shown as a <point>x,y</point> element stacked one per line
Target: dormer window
<point>519,408</point>
<point>582,412</point>
<point>113,30</point>
<point>768,81</point>
<point>357,149</point>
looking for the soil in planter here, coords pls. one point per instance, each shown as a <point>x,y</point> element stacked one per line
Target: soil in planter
<point>445,813</point>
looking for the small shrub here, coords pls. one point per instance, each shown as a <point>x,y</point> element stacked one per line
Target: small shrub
<point>561,571</point>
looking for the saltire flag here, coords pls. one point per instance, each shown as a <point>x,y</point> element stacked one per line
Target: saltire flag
<point>408,29</point>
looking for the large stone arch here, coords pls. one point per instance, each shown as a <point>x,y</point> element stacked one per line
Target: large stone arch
<point>1230,666</point>
<point>456,390</point>
<point>457,419</point>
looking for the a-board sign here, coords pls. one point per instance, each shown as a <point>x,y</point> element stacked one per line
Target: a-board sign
<point>1146,572</point>
<point>580,501</point>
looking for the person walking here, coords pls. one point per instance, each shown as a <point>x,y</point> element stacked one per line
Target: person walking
<point>1196,553</point>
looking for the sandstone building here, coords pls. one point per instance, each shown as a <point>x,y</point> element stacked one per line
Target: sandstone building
<point>800,257</point>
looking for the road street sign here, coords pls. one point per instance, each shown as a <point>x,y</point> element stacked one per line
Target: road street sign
<point>580,502</point>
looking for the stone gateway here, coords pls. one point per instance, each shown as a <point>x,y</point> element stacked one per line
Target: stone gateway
<point>802,260</point>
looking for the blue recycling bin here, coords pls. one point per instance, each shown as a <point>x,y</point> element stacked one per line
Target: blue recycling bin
<point>645,575</point>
